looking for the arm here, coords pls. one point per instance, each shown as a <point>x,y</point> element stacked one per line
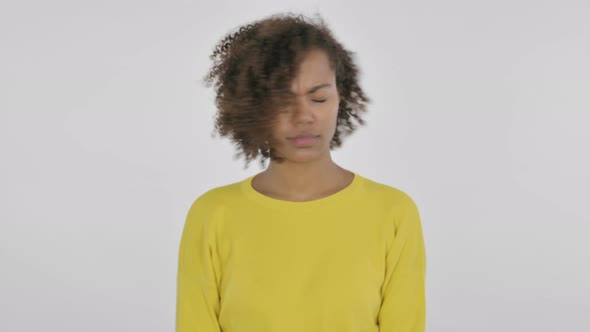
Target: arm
<point>403,306</point>
<point>197,303</point>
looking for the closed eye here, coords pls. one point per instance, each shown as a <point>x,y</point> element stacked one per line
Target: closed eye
<point>320,101</point>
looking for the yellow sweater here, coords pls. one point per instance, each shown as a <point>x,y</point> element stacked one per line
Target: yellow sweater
<point>353,261</point>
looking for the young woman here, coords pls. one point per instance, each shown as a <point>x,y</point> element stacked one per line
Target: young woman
<point>305,245</point>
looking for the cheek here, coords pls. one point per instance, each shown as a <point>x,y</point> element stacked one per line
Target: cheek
<point>280,127</point>
<point>332,111</point>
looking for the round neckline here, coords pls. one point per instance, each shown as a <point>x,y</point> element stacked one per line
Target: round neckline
<point>268,201</point>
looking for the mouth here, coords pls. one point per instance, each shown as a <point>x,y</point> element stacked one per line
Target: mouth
<point>304,140</point>
<point>304,136</point>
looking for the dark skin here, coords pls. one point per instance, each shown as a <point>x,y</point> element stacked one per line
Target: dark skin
<point>308,172</point>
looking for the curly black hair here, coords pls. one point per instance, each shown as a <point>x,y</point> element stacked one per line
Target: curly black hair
<point>251,72</point>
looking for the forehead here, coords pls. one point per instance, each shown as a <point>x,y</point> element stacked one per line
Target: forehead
<point>314,70</point>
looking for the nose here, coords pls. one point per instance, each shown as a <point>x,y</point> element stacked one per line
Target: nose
<point>303,111</point>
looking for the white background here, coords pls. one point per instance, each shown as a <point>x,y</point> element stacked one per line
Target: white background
<point>480,112</point>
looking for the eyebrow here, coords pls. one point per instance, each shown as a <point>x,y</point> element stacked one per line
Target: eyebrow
<point>317,87</point>
<point>314,89</point>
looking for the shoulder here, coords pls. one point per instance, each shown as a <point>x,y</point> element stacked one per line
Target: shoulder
<point>391,194</point>
<point>215,199</point>
<point>398,206</point>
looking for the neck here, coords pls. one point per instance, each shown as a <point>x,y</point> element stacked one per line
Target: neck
<point>302,178</point>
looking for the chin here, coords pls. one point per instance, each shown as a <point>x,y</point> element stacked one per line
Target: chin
<point>302,155</point>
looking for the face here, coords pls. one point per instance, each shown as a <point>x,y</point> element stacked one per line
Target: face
<point>314,112</point>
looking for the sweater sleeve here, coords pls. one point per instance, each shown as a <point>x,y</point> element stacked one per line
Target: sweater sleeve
<point>403,306</point>
<point>197,302</point>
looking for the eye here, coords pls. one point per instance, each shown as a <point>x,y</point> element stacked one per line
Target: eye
<point>320,101</point>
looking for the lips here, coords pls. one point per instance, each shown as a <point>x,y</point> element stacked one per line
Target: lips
<point>304,140</point>
<point>305,136</point>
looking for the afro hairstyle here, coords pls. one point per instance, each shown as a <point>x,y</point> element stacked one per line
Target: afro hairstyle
<point>251,71</point>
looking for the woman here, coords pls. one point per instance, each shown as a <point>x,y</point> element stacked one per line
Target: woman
<point>304,245</point>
